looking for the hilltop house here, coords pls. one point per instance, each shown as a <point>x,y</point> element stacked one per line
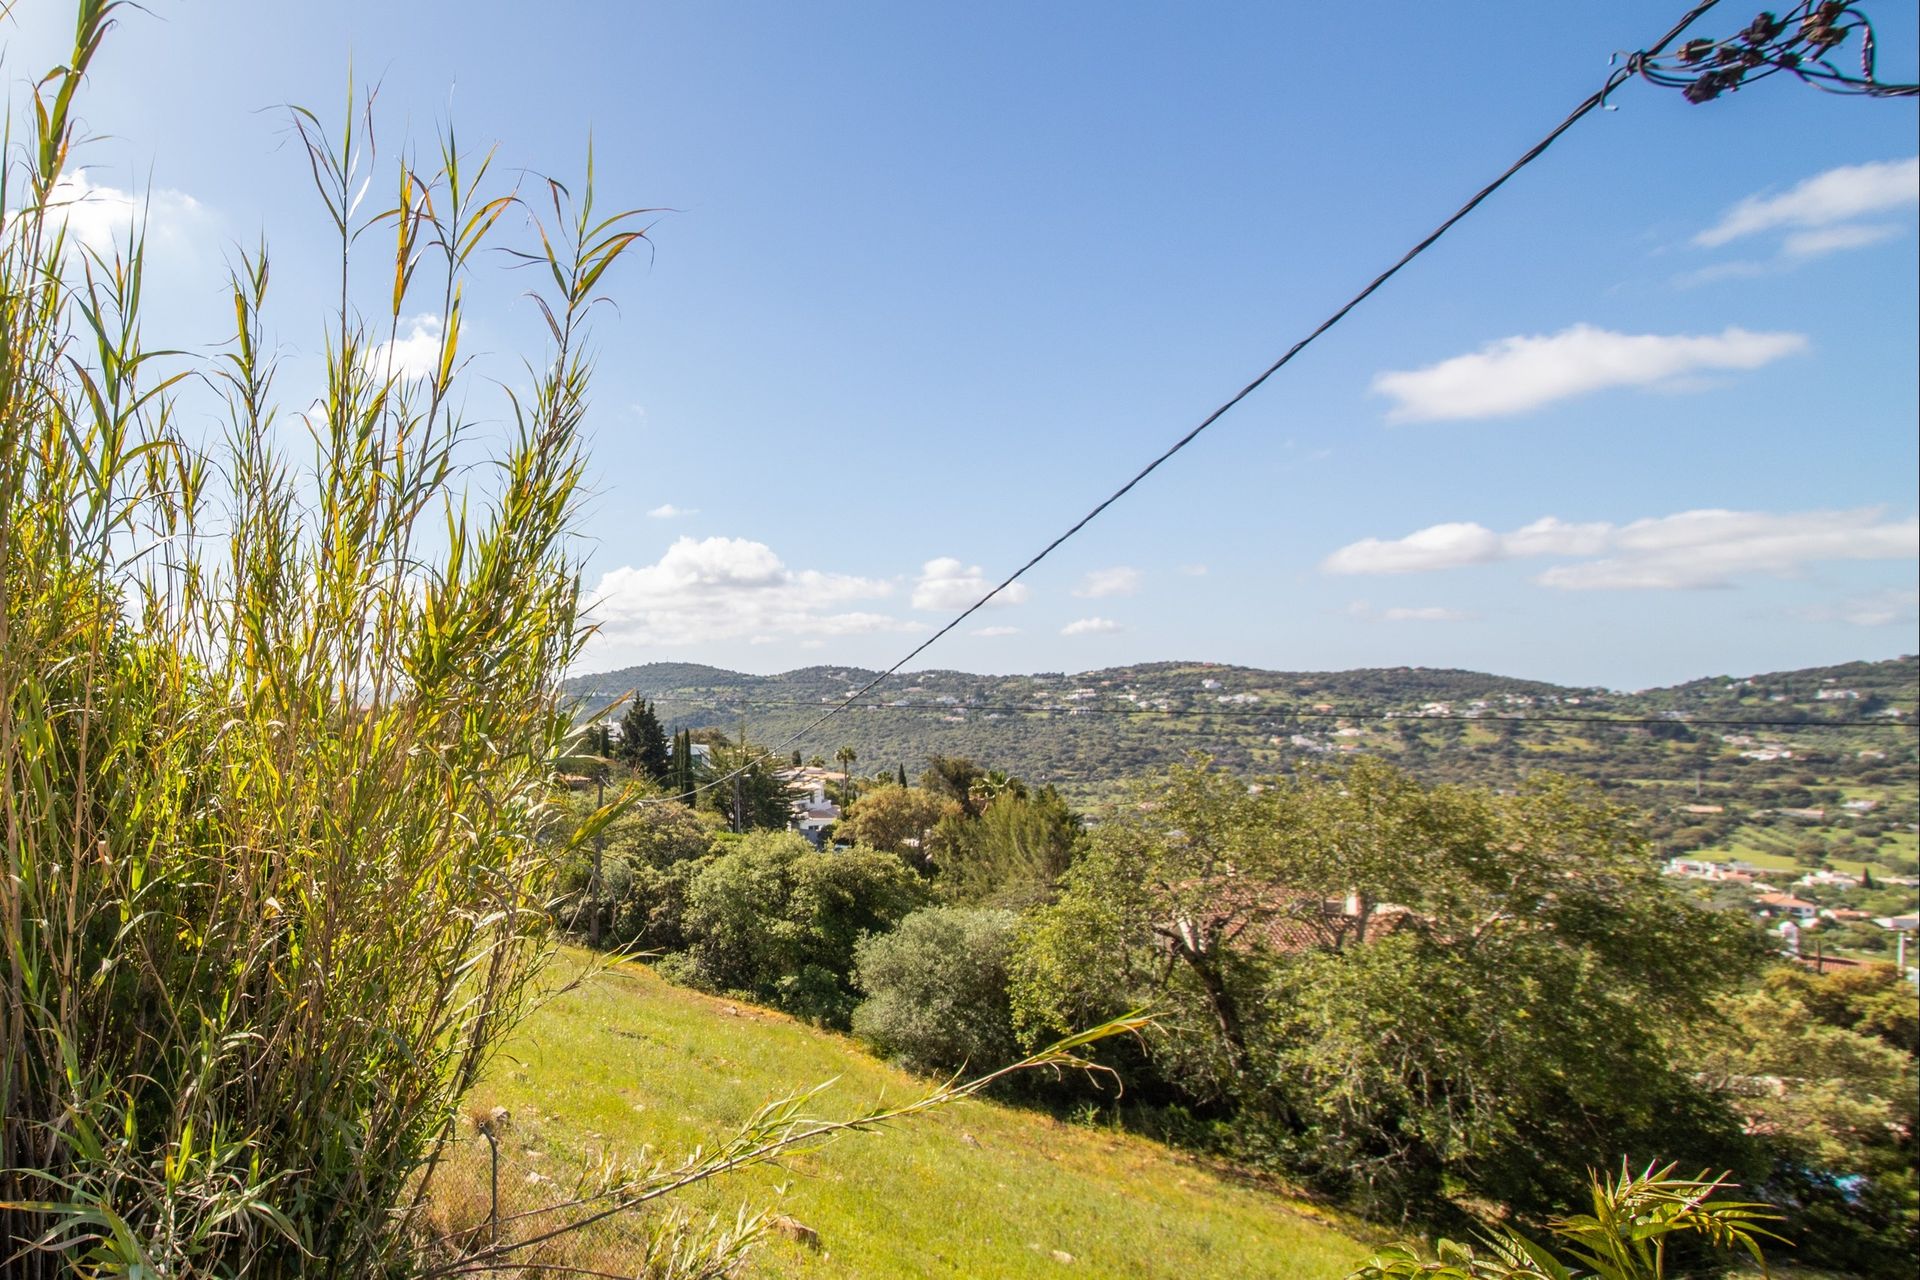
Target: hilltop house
<point>810,812</point>
<point>1830,879</point>
<point>1784,904</point>
<point>1702,869</point>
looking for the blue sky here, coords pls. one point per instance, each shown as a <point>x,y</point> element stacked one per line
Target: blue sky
<point>937,277</point>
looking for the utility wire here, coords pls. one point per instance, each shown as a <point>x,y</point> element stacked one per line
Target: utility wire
<point>1595,100</point>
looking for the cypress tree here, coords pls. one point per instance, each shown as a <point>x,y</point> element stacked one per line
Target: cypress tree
<point>632,733</point>
<point>653,755</point>
<point>682,770</point>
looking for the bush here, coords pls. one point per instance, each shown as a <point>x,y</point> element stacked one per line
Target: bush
<point>937,990</point>
<point>775,920</point>
<point>649,857</point>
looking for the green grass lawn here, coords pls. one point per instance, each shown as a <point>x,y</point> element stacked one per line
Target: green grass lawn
<point>975,1190</point>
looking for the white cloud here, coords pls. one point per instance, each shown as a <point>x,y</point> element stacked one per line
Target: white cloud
<point>1440,546</point>
<point>1853,235</point>
<point>1090,627</point>
<point>946,583</point>
<point>1688,550</point>
<point>415,353</point>
<point>992,632</point>
<point>1117,581</point>
<point>1513,375</point>
<point>1194,570</point>
<point>667,511</point>
<point>1874,609</point>
<point>726,588</point>
<point>1851,191</point>
<point>100,217</point>
<point>1549,536</point>
<point>1365,612</point>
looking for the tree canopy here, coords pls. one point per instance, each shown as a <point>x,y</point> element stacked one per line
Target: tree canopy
<point>1389,984</point>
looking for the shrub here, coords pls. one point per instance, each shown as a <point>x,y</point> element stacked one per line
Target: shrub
<point>648,858</point>
<point>776,920</point>
<point>937,990</point>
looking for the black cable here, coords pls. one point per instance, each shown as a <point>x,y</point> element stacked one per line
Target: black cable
<point>1594,100</point>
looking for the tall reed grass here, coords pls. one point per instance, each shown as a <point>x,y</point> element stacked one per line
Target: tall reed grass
<point>279,750</point>
<point>276,725</point>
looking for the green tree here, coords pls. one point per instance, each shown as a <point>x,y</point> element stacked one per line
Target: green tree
<point>846,757</point>
<point>682,776</point>
<point>898,820</point>
<point>777,921</point>
<point>752,797</point>
<point>937,990</point>
<point>1013,854</point>
<point>1393,985</point>
<point>955,778</point>
<point>1822,1069</point>
<point>643,741</point>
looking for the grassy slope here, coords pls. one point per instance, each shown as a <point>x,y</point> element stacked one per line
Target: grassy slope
<point>630,1060</point>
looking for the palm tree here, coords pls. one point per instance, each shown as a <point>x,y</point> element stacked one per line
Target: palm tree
<point>1624,1238</point>
<point>846,756</point>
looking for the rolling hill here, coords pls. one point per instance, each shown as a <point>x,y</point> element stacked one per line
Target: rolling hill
<point>1746,765</point>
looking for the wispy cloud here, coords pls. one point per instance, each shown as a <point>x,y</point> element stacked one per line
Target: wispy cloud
<point>1898,606</point>
<point>667,511</point>
<point>1090,627</point>
<point>1854,235</point>
<point>1513,375</point>
<point>995,632</point>
<point>727,588</point>
<point>1117,581</point>
<point>1836,196</point>
<point>946,583</point>
<point>1194,570</point>
<point>1688,550</point>
<point>1365,612</point>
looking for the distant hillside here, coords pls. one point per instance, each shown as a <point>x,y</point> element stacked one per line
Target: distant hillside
<point>1714,760</point>
<point>1099,726</point>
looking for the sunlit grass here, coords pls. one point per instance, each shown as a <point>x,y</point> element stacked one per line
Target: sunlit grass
<point>975,1189</point>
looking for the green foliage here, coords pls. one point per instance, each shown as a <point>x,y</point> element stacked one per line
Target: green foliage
<point>937,990</point>
<point>682,775</point>
<point>648,858</point>
<point>954,778</point>
<point>897,819</point>
<point>1013,854</point>
<point>643,742</point>
<point>278,742</point>
<point>1394,987</point>
<point>1624,1238</point>
<point>751,798</point>
<point>1823,1068</point>
<point>777,921</point>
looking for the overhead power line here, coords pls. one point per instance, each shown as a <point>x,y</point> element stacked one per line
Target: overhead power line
<point>1636,64</point>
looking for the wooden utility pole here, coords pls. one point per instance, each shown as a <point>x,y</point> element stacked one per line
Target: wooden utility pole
<point>599,847</point>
